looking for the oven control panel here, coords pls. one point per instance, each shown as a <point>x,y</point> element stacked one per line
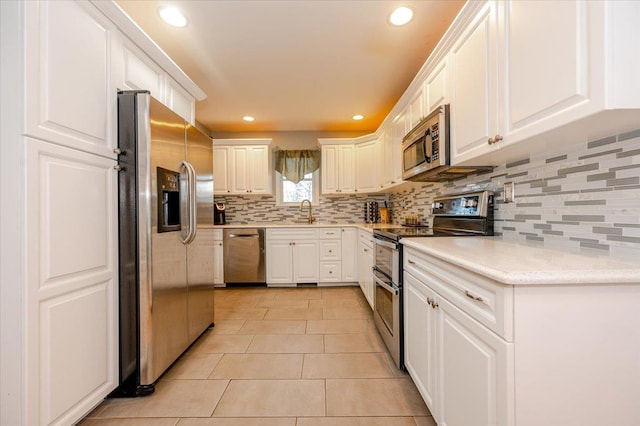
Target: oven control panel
<point>476,204</point>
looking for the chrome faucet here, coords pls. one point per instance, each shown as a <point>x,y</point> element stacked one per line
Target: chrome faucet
<point>310,219</point>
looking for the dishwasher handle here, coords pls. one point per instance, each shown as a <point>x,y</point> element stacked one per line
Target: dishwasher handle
<point>243,235</point>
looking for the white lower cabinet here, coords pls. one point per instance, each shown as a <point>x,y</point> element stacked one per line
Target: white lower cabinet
<point>349,252</point>
<point>462,369</point>
<point>218,258</point>
<point>420,338</point>
<point>292,256</point>
<point>365,265</point>
<point>485,353</point>
<point>475,381</point>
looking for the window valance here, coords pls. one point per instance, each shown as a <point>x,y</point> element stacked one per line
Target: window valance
<point>294,164</point>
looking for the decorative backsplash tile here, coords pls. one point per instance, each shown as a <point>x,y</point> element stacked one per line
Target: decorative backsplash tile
<point>332,209</point>
<point>585,197</point>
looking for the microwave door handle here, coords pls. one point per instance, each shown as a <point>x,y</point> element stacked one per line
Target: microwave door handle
<point>428,146</point>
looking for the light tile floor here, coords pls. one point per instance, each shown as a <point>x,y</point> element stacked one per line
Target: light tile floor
<point>290,357</point>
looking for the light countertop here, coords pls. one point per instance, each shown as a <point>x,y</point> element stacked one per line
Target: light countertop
<point>521,264</point>
<point>366,226</point>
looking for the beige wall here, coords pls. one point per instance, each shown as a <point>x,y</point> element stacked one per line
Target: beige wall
<point>288,140</point>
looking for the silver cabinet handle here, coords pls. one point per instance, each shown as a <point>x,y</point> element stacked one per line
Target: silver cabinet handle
<point>411,261</point>
<point>471,296</point>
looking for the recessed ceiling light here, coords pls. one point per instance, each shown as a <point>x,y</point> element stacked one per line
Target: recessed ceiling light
<point>358,117</point>
<point>248,118</point>
<point>173,16</point>
<point>401,16</point>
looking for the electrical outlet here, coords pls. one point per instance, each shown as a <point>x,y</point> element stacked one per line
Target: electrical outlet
<point>509,192</point>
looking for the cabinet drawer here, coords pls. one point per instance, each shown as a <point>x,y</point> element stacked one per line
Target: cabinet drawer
<point>366,238</point>
<point>292,234</point>
<point>330,250</point>
<point>329,233</point>
<point>483,299</point>
<point>330,272</point>
<point>217,235</point>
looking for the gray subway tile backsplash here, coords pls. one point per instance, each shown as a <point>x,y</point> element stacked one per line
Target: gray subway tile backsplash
<point>562,198</point>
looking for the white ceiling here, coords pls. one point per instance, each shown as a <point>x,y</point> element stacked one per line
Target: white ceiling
<point>296,65</point>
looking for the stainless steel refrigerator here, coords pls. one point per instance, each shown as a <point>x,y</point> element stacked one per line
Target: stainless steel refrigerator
<point>166,239</point>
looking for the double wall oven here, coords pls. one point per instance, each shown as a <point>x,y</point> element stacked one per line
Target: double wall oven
<point>469,214</point>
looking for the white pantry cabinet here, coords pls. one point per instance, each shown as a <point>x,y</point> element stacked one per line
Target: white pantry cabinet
<point>292,256</point>
<point>338,164</point>
<point>242,167</point>
<point>69,93</point>
<point>62,63</point>
<point>71,282</point>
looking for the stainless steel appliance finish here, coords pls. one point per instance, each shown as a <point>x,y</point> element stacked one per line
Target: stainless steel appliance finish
<point>426,151</point>
<point>244,256</point>
<point>166,220</point>
<point>469,214</point>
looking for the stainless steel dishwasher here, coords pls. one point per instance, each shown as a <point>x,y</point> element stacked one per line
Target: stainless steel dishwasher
<point>244,255</point>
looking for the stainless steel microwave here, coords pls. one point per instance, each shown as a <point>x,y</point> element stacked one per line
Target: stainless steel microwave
<point>425,151</point>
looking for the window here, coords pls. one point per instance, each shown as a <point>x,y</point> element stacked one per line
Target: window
<point>289,193</point>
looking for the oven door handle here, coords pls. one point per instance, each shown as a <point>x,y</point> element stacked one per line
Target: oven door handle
<point>383,243</point>
<point>390,289</point>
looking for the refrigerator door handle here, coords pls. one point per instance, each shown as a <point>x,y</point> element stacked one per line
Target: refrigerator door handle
<point>192,202</point>
<point>185,237</point>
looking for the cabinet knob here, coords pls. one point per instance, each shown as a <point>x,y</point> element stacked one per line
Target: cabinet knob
<point>220,244</point>
<point>117,151</point>
<point>117,167</point>
<point>330,251</point>
<point>497,138</point>
<point>330,272</point>
<point>491,141</point>
<point>228,190</point>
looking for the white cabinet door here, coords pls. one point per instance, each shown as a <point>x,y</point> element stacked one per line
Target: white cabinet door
<point>420,338</point>
<point>280,262</point>
<point>475,371</point>
<point>338,169</point>
<point>180,102</point>
<point>221,178</point>
<point>349,254</point>
<point>258,169</point>
<point>330,169</point>
<point>436,90</point>
<point>474,87</point>
<point>305,262</point>
<point>218,263</point>
<point>548,67</point>
<point>365,263</point>
<point>139,72</point>
<point>238,169</point>
<point>68,76</point>
<point>367,166</point>
<point>416,107</point>
<point>71,254</point>
<point>346,168</point>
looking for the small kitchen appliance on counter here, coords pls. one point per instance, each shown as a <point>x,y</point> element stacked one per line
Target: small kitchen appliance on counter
<point>219,214</point>
<point>469,214</point>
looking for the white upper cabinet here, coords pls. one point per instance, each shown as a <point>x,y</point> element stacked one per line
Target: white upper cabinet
<point>137,71</point>
<point>367,156</point>
<point>519,87</point>
<point>436,91</point>
<point>338,166</point>
<point>242,166</point>
<point>473,87</point>
<point>68,85</point>
<point>416,108</point>
<point>221,184</point>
